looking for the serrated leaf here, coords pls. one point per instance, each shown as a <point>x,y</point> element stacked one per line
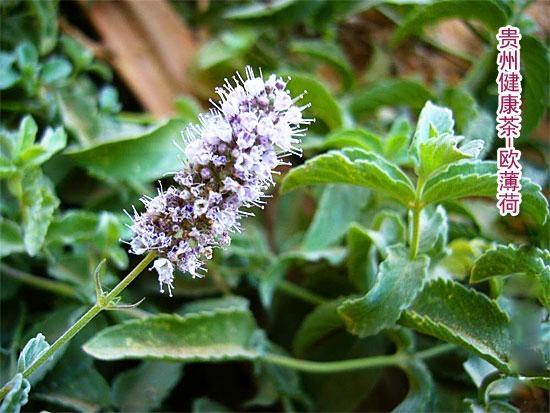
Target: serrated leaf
<point>17,396</point>
<point>479,178</point>
<point>441,150</point>
<point>26,134</point>
<point>140,158</point>
<point>355,167</point>
<point>224,335</point>
<point>504,261</point>
<point>73,225</point>
<point>323,105</point>
<point>31,352</point>
<point>399,281</point>
<point>323,320</point>
<point>8,76</point>
<point>145,387</point>
<point>39,203</point>
<point>391,92</point>
<point>52,141</point>
<point>396,145</point>
<point>420,388</point>
<point>11,239</point>
<point>456,314</point>
<point>338,207</point>
<point>486,11</point>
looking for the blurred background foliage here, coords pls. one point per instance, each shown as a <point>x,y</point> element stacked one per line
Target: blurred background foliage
<point>93,94</point>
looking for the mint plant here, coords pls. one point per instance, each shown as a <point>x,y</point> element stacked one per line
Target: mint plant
<point>377,276</point>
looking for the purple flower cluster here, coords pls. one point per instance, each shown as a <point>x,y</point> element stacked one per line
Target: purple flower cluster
<point>231,156</point>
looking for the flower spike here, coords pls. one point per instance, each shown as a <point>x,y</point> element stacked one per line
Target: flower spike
<point>230,157</point>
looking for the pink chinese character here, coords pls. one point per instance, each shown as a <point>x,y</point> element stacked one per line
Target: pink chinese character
<point>508,126</point>
<point>508,60</point>
<point>509,104</point>
<point>509,181</point>
<point>508,203</point>
<point>509,82</point>
<point>508,158</point>
<point>508,36</point>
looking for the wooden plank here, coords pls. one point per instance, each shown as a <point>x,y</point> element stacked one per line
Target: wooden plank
<point>149,47</point>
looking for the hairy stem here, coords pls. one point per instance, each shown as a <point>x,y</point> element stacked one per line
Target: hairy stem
<point>102,304</point>
<point>397,359</point>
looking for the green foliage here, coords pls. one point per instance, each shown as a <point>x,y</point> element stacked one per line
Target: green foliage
<point>382,251</point>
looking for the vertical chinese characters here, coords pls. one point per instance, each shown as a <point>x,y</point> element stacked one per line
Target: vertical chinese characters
<point>509,120</point>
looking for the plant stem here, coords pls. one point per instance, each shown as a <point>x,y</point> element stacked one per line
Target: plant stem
<point>102,303</point>
<point>301,293</point>
<point>55,287</point>
<point>416,210</point>
<point>397,359</point>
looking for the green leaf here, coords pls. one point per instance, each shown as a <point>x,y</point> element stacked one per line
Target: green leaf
<point>108,100</point>
<point>73,226</point>
<point>45,23</point>
<point>228,46</point>
<point>257,10</point>
<point>388,229</point>
<point>456,314</point>
<point>486,11</point>
<point>79,113</point>
<point>224,335</point>
<point>11,239</point>
<point>323,105</point>
<point>534,57</point>
<point>362,260</point>
<point>56,69</point>
<point>27,56</point>
<point>141,158</point>
<point>396,145</point>
<point>8,76</point>
<point>391,92</point>
<point>433,121</point>
<point>504,261</point>
<point>399,281</point>
<point>433,236</point>
<point>51,142</point>
<point>145,387</point>
<point>26,134</point>
<point>206,405</point>
<point>80,56</point>
<point>471,121</point>
<point>329,53</point>
<point>233,302</point>
<point>359,138</point>
<point>355,167</point>
<point>338,207</point>
<point>420,388</point>
<point>322,321</point>
<point>30,353</point>
<point>39,203</point>
<point>479,178</point>
<point>18,395</point>
<point>441,150</point>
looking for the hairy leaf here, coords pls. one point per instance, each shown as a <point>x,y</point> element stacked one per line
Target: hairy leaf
<point>224,335</point>
<point>504,260</point>
<point>400,279</point>
<point>355,167</point>
<point>454,313</point>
